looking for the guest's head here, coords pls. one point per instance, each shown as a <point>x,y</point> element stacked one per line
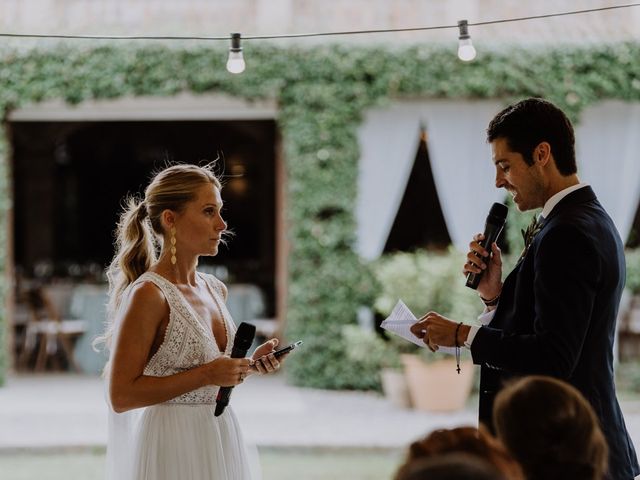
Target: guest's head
<point>450,466</point>
<point>467,440</point>
<point>550,429</point>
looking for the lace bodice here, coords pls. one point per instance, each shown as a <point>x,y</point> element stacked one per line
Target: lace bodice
<point>188,340</point>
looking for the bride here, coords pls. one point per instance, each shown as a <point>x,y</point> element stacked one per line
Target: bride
<point>170,336</point>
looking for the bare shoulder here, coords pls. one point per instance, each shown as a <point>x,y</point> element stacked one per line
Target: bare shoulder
<point>147,302</point>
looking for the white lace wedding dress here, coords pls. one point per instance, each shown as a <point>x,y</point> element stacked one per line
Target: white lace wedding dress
<point>180,439</point>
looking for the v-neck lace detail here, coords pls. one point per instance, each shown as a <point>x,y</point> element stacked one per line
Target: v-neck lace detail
<point>187,343</point>
<point>219,302</point>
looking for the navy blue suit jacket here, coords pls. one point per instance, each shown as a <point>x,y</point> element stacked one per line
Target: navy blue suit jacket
<point>557,317</point>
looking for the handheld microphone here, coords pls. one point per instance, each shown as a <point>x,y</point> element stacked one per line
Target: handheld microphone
<point>492,228</point>
<point>241,343</point>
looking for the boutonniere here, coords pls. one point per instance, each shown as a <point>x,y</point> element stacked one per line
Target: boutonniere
<point>529,234</point>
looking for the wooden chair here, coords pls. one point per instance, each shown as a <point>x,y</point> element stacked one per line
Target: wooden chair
<point>48,332</point>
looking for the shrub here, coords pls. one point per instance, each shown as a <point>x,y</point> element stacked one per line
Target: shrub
<point>351,360</point>
<point>426,281</point>
<point>633,270</point>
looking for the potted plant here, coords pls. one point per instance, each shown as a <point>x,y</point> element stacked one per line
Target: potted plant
<point>392,376</point>
<point>370,353</point>
<point>433,383</point>
<point>429,281</point>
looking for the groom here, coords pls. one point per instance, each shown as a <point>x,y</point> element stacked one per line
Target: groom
<point>556,312</point>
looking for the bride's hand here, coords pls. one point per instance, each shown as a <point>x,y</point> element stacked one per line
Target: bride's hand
<point>263,359</point>
<point>228,372</point>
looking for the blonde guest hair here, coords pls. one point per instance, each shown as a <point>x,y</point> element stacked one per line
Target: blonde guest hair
<point>139,229</point>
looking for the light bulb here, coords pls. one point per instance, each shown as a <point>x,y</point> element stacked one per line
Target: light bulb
<point>466,50</point>
<point>235,62</point>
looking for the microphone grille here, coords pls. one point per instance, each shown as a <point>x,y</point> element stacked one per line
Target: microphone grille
<point>499,211</point>
<point>245,333</point>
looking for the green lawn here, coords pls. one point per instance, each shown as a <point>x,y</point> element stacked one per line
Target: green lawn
<point>323,465</point>
<point>52,466</point>
<point>277,464</point>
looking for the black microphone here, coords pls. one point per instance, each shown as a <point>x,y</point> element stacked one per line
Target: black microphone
<point>241,343</point>
<point>492,228</point>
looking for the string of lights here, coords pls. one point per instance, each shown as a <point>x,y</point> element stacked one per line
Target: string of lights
<point>236,63</point>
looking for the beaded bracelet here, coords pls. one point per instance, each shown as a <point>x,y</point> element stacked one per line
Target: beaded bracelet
<point>457,344</point>
<point>490,303</point>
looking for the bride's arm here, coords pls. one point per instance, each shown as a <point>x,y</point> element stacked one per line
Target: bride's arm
<point>129,388</point>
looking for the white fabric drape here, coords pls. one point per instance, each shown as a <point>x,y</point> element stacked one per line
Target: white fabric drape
<point>460,161</point>
<point>388,141</point>
<point>463,171</point>
<point>608,156</point>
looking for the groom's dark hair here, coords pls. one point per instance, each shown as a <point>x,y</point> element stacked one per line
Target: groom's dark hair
<point>530,122</point>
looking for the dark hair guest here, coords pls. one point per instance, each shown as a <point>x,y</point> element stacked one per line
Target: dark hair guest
<point>550,429</point>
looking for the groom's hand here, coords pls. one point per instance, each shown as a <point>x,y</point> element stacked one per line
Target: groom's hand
<point>479,260</point>
<point>436,330</point>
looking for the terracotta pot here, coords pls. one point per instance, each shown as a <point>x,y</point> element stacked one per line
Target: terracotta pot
<point>395,388</point>
<point>436,386</point>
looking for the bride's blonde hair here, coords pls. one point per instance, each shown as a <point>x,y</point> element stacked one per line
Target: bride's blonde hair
<point>140,228</point>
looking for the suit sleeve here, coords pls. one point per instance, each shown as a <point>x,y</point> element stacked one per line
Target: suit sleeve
<point>566,276</point>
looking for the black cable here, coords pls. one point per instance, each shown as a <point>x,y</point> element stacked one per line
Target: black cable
<point>442,27</point>
<point>318,34</point>
<point>562,14</point>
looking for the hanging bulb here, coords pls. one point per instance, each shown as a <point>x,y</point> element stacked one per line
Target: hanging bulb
<point>466,50</point>
<point>235,62</point>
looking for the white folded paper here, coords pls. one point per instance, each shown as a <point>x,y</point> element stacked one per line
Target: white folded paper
<point>399,322</point>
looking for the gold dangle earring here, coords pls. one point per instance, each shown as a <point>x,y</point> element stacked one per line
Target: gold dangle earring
<point>173,246</point>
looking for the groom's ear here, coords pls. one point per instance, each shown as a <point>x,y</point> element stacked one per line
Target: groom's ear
<point>542,154</point>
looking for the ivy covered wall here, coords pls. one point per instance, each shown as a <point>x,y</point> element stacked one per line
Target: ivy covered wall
<point>322,93</point>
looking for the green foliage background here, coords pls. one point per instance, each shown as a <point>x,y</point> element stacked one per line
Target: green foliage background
<point>322,93</point>
<point>633,271</point>
<point>425,281</point>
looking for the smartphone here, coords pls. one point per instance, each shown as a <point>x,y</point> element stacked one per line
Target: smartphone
<point>287,349</point>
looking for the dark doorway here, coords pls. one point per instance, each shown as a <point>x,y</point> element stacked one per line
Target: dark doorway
<point>70,179</point>
<point>419,222</point>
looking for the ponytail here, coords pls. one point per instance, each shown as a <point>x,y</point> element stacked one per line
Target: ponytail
<point>135,253</point>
